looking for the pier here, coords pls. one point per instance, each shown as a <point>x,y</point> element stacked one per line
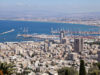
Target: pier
<point>37,36</point>
<point>55,34</point>
<point>77,32</point>
<point>12,30</point>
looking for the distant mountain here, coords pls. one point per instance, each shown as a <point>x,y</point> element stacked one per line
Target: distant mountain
<point>48,14</point>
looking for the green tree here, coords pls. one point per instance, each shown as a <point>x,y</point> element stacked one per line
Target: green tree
<point>98,65</point>
<point>94,72</point>
<point>95,69</point>
<point>67,71</point>
<point>82,70</point>
<point>7,69</point>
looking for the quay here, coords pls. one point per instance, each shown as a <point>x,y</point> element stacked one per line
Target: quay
<point>78,32</point>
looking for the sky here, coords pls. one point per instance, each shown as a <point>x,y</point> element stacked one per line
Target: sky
<point>49,6</point>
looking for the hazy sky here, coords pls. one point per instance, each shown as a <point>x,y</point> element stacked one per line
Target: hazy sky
<point>54,6</point>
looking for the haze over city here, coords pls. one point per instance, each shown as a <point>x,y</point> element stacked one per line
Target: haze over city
<point>47,7</point>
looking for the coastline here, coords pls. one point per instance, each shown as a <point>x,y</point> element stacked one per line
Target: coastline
<point>48,21</point>
<point>21,25</point>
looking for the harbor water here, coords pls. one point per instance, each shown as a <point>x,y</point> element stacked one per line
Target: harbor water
<point>10,29</point>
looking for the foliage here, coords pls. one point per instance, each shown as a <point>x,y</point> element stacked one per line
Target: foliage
<point>98,65</point>
<point>7,69</point>
<point>82,70</point>
<point>95,72</point>
<point>67,71</point>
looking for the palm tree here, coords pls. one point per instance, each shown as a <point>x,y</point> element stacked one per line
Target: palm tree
<point>7,69</point>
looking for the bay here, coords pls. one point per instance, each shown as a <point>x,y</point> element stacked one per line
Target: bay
<point>36,27</point>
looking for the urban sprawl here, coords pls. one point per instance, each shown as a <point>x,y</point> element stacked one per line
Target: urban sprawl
<point>50,55</point>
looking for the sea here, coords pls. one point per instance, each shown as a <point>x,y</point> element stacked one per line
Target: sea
<point>10,29</point>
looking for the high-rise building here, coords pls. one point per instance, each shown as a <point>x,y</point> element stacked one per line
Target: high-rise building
<point>62,35</point>
<point>46,45</point>
<point>98,56</point>
<point>78,44</point>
